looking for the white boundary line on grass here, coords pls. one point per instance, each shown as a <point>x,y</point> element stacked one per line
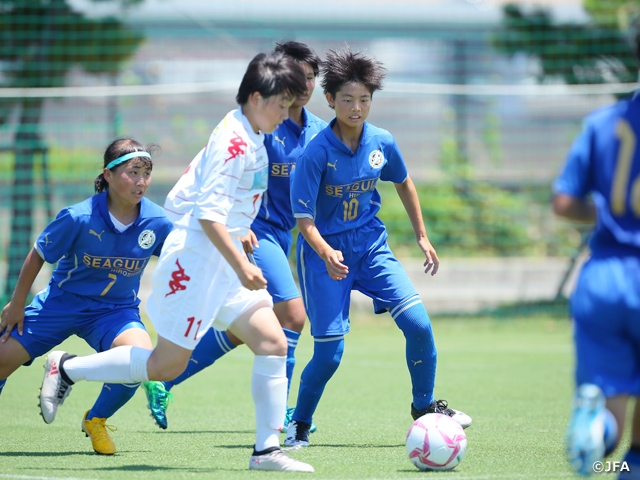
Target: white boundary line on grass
<point>31,477</point>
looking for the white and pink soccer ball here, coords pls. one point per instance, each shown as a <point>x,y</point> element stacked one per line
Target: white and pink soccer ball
<point>436,442</point>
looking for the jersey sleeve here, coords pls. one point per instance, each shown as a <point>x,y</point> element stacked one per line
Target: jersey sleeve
<point>305,183</point>
<point>164,231</point>
<point>219,173</point>
<point>57,239</point>
<point>574,179</point>
<point>395,170</point>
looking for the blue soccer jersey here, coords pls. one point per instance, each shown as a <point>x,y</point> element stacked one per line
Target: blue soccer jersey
<point>604,161</point>
<point>284,146</point>
<point>94,259</point>
<point>337,187</point>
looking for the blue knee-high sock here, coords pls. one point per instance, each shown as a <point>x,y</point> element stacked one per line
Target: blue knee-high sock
<point>412,318</point>
<point>2,384</point>
<point>292,343</point>
<point>210,348</point>
<point>111,398</point>
<point>327,353</point>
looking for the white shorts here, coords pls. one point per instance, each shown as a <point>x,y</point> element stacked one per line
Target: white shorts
<point>194,288</point>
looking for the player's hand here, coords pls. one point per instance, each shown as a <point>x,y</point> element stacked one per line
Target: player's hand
<point>249,242</point>
<point>251,277</point>
<point>335,268</point>
<point>11,317</point>
<point>432,263</point>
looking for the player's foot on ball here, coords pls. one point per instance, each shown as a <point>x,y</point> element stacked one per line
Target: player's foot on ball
<point>277,460</point>
<point>54,388</point>
<point>297,434</point>
<point>441,406</point>
<point>287,420</point>
<point>158,398</point>
<point>586,431</point>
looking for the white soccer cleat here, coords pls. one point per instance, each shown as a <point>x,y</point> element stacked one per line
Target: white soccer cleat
<point>585,434</point>
<point>54,389</point>
<point>277,461</point>
<point>297,434</point>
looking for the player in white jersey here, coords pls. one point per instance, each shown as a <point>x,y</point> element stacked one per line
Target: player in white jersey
<point>272,228</point>
<point>203,277</point>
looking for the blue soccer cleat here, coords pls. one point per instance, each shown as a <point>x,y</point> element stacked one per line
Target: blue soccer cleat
<point>158,398</point>
<point>585,434</point>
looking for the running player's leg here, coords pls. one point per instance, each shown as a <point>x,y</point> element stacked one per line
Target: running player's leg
<point>181,280</point>
<point>113,396</point>
<point>212,346</point>
<point>272,257</point>
<point>382,277</point>
<point>606,340</point>
<point>329,323</point>
<point>12,355</point>
<point>249,316</point>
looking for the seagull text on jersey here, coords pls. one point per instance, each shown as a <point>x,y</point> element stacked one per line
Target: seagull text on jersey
<point>355,187</point>
<point>127,267</point>
<point>282,169</point>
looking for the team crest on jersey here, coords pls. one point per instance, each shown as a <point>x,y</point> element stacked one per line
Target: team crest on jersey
<point>147,239</point>
<point>376,159</point>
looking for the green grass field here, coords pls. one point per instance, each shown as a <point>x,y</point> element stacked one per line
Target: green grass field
<point>514,377</point>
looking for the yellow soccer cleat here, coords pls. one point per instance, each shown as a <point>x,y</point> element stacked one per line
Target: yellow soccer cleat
<point>96,429</point>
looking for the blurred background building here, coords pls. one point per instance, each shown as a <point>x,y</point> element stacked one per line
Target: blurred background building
<point>483,99</point>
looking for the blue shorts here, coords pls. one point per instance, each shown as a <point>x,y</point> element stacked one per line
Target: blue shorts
<point>373,270</point>
<point>272,258</point>
<point>55,315</point>
<point>606,310</point>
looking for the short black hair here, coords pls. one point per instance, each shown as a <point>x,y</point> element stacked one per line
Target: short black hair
<point>344,66</point>
<point>272,74</point>
<point>301,53</point>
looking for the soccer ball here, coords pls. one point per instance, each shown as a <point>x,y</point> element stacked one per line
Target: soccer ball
<point>436,442</point>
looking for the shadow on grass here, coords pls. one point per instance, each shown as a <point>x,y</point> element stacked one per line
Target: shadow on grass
<point>45,454</point>
<point>198,432</point>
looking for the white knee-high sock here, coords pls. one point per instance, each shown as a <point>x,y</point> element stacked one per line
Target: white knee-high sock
<point>269,391</point>
<point>125,364</point>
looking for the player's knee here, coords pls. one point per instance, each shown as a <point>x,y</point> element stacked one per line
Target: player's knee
<point>293,322</point>
<point>12,356</point>
<point>164,370</point>
<point>291,314</point>
<point>278,347</point>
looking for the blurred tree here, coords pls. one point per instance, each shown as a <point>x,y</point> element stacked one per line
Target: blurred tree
<point>589,53</point>
<point>40,42</point>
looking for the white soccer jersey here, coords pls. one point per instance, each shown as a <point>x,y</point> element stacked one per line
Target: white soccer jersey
<point>224,183</point>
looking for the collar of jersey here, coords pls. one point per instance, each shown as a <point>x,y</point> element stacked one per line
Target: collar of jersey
<point>336,142</point>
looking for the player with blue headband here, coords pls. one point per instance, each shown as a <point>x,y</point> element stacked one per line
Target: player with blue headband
<point>101,247</point>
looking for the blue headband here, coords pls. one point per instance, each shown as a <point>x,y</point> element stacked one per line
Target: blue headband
<point>126,157</point>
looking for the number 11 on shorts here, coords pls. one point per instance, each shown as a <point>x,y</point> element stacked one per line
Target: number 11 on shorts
<point>192,321</point>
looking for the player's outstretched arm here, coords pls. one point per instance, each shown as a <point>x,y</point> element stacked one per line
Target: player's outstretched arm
<point>13,313</point>
<point>332,258</point>
<point>409,197</point>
